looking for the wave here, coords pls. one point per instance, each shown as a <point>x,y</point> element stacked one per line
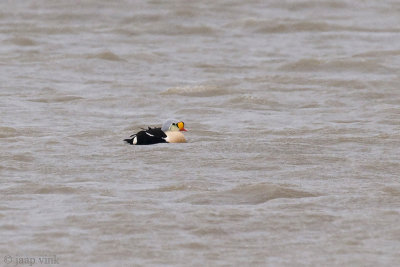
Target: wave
<point>341,65</point>
<point>162,28</point>
<point>254,100</point>
<point>26,157</point>
<point>393,191</point>
<point>22,41</point>
<point>182,187</point>
<point>246,195</point>
<point>378,53</point>
<point>176,29</point>
<point>52,189</point>
<point>199,91</point>
<point>107,55</point>
<point>142,18</point>
<point>290,26</point>
<point>34,188</point>
<point>7,132</point>
<point>56,99</point>
<point>300,5</point>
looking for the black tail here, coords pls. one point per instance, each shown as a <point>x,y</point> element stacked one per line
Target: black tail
<point>129,141</point>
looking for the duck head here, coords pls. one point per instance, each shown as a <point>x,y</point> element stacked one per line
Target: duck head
<point>173,126</point>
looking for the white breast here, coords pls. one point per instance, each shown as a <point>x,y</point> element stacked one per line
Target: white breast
<point>175,137</point>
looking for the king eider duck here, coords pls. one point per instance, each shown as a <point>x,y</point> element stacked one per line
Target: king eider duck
<point>170,132</point>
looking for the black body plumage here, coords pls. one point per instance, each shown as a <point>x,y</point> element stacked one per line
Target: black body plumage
<point>147,137</point>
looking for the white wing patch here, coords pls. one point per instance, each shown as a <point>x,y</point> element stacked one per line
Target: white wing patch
<point>166,138</point>
<point>149,134</point>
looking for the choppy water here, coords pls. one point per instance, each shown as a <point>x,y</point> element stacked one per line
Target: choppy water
<point>293,116</point>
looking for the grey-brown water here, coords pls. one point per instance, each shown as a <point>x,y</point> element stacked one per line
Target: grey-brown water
<point>293,115</point>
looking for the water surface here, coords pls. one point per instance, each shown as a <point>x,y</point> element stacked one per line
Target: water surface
<point>293,145</point>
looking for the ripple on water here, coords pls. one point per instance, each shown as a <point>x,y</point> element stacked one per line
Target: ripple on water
<point>199,91</point>
<point>316,65</point>
<point>107,55</point>
<point>8,132</point>
<point>248,101</point>
<point>22,41</point>
<point>66,98</point>
<point>246,195</point>
<point>25,157</point>
<point>52,189</point>
<point>28,188</point>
